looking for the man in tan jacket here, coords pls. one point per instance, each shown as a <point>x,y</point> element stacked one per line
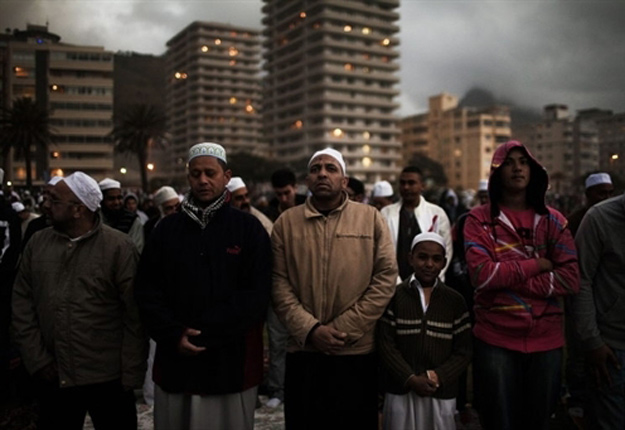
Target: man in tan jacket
<point>334,273</point>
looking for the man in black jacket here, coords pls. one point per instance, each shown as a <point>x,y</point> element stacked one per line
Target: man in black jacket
<point>203,287</point>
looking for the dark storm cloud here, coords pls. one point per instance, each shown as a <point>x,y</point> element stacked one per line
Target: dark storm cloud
<point>530,52</point>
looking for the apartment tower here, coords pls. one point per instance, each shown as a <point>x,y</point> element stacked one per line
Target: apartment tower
<point>330,82</point>
<point>461,139</point>
<point>75,83</point>
<point>213,90</point>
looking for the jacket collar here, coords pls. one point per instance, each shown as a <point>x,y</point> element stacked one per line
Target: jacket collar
<point>310,211</point>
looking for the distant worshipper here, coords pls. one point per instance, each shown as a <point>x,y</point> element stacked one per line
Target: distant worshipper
<point>424,343</point>
<point>44,220</point>
<point>599,187</point>
<point>382,195</point>
<point>412,215</point>
<point>203,288</point>
<point>115,215</point>
<point>355,189</point>
<point>240,199</point>
<point>334,273</point>
<point>25,215</point>
<point>131,204</point>
<point>75,320</point>
<point>167,202</point>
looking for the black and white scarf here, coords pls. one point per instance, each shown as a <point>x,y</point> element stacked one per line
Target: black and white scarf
<point>199,215</point>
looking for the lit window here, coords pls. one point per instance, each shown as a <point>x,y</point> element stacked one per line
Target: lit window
<point>233,52</point>
<point>298,124</point>
<point>349,67</point>
<point>217,41</point>
<point>347,28</point>
<point>366,149</point>
<point>366,135</point>
<point>57,172</point>
<point>55,154</point>
<point>233,100</point>
<point>366,30</point>
<point>337,132</point>
<point>302,15</point>
<point>180,75</point>
<point>249,109</point>
<point>366,161</point>
<point>386,42</point>
<point>233,62</point>
<point>205,48</point>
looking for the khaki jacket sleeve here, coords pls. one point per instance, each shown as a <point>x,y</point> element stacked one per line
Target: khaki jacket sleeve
<point>287,305</point>
<point>136,234</point>
<point>361,317</point>
<point>25,327</point>
<point>135,342</point>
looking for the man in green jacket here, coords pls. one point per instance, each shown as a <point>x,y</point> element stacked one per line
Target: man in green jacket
<point>74,316</point>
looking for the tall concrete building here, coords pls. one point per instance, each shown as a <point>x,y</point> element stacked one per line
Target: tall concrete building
<point>330,82</point>
<point>567,146</point>
<point>213,90</point>
<point>612,144</point>
<point>76,84</point>
<point>461,139</point>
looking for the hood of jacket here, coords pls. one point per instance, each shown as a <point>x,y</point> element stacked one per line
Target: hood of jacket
<point>537,187</point>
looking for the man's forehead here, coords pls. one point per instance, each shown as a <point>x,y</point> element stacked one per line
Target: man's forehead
<point>409,176</point>
<point>325,159</point>
<point>516,153</point>
<point>204,162</point>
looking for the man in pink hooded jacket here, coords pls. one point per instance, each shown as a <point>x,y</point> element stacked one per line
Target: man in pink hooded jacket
<point>521,258</point>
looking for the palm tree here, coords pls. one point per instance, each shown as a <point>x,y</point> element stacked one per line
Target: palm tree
<point>23,126</point>
<point>137,128</point>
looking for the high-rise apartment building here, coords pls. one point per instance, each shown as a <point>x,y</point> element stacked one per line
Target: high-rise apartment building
<point>461,139</point>
<point>330,82</point>
<point>612,144</point>
<point>568,147</point>
<point>213,90</point>
<point>76,84</point>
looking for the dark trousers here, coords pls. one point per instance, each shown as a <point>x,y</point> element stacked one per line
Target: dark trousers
<point>330,392</point>
<point>515,390</point>
<point>109,406</point>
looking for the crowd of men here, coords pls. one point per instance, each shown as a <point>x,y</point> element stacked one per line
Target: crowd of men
<point>388,302</point>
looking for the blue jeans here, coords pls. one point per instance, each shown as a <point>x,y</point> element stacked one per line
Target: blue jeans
<point>607,404</point>
<point>515,390</point>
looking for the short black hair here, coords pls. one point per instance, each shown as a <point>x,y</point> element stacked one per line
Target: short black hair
<point>412,169</point>
<point>282,178</point>
<point>357,186</point>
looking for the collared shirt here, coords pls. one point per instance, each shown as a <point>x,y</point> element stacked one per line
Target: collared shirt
<point>414,283</point>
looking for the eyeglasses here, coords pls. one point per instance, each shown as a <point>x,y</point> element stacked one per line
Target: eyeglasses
<point>57,202</point>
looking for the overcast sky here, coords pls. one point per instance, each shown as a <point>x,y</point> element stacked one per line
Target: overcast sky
<point>531,52</point>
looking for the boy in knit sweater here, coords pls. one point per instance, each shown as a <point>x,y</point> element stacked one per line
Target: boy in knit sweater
<point>424,343</point>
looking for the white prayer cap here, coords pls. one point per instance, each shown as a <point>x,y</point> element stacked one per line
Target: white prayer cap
<point>428,237</point>
<point>209,149</point>
<point>332,153</point>
<point>55,180</point>
<point>382,189</point>
<point>483,185</point>
<point>18,207</point>
<point>109,184</point>
<point>86,189</point>
<point>163,194</point>
<point>235,183</point>
<point>598,179</point>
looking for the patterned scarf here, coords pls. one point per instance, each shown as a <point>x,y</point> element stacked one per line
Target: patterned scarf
<point>199,215</point>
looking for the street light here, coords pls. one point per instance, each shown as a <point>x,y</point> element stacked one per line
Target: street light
<point>123,171</point>
<point>150,166</point>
